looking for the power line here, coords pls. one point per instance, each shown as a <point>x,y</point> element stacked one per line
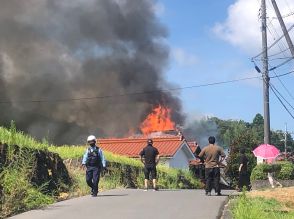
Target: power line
<point>282,96</point>
<point>281,101</point>
<point>274,43</point>
<point>281,75</point>
<point>281,64</point>
<point>287,90</point>
<point>127,94</point>
<point>139,93</point>
<point>277,35</point>
<point>279,52</point>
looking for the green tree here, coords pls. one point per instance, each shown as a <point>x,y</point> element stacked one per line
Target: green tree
<point>257,127</point>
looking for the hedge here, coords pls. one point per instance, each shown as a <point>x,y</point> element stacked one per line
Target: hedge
<point>282,170</point>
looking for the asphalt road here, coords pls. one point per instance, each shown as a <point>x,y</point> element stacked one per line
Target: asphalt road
<point>135,204</point>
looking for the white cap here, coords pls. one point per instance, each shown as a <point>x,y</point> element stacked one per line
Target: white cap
<point>91,138</point>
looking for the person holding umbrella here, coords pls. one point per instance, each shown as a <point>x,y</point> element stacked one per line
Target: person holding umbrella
<point>268,154</point>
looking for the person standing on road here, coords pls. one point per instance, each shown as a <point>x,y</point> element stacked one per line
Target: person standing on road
<point>244,178</point>
<point>213,156</point>
<point>150,158</point>
<point>94,162</point>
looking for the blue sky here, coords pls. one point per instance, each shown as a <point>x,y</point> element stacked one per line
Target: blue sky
<point>213,41</point>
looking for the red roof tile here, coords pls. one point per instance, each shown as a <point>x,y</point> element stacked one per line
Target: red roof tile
<point>193,145</point>
<point>131,147</point>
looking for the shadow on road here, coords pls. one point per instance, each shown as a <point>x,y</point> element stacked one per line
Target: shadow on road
<point>168,190</point>
<point>112,195</point>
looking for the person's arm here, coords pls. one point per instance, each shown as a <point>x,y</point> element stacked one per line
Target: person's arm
<point>142,153</point>
<point>85,158</point>
<point>157,157</point>
<point>102,158</point>
<point>240,167</point>
<point>242,161</point>
<point>201,155</point>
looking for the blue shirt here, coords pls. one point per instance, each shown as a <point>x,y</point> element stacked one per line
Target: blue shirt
<point>85,157</point>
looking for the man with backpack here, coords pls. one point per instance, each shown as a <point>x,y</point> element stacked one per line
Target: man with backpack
<point>94,162</point>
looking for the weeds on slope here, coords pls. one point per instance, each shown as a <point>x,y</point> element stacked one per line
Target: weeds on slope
<point>245,207</point>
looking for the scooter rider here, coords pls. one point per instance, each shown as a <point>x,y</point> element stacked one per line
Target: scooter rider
<point>94,162</point>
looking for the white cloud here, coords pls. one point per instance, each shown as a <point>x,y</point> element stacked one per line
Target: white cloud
<point>183,58</point>
<point>159,8</point>
<point>242,25</point>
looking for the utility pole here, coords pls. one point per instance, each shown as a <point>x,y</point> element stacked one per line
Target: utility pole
<point>286,139</point>
<point>283,26</point>
<point>265,74</point>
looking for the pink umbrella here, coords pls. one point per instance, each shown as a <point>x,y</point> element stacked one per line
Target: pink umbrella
<point>266,151</point>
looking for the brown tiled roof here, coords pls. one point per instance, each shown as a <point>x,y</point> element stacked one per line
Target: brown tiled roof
<point>131,147</point>
<point>193,145</point>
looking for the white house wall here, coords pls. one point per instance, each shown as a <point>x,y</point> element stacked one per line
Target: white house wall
<point>180,160</point>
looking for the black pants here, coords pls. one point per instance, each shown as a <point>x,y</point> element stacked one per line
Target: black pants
<point>148,170</point>
<point>92,178</point>
<point>244,180</point>
<point>212,176</point>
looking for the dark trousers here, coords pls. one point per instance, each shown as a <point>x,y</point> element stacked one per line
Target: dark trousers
<point>92,178</point>
<point>212,176</point>
<point>244,180</point>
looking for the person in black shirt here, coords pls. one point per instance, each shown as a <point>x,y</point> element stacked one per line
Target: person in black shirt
<point>150,158</point>
<point>244,178</point>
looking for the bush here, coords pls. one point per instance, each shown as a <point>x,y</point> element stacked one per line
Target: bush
<point>286,172</point>
<point>282,170</point>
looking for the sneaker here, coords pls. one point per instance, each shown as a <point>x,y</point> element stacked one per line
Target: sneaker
<point>145,190</point>
<point>92,192</point>
<point>94,195</point>
<point>208,193</point>
<point>218,194</point>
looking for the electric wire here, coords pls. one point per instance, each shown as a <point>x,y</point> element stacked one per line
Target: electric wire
<point>140,93</point>
<point>285,107</point>
<point>127,94</point>
<point>274,43</point>
<point>282,96</point>
<point>284,86</point>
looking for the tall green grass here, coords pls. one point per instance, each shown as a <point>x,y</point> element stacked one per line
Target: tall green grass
<point>244,207</point>
<point>168,177</point>
<point>75,152</point>
<point>12,136</point>
<point>18,194</point>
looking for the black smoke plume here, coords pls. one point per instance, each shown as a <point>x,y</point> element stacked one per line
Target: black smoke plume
<point>55,50</point>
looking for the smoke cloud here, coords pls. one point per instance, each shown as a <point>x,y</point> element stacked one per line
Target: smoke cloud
<point>199,130</point>
<point>62,49</point>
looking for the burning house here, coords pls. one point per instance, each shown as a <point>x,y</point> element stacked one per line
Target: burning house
<point>173,148</point>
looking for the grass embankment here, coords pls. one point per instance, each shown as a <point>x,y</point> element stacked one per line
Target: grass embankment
<point>167,177</point>
<point>268,204</point>
<point>18,193</point>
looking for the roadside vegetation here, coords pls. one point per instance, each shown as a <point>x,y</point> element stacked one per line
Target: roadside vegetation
<point>19,194</point>
<point>268,204</point>
<point>282,170</point>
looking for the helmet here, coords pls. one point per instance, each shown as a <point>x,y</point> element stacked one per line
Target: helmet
<point>91,138</point>
<point>150,141</point>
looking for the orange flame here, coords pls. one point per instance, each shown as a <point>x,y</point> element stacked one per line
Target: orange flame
<point>158,120</point>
